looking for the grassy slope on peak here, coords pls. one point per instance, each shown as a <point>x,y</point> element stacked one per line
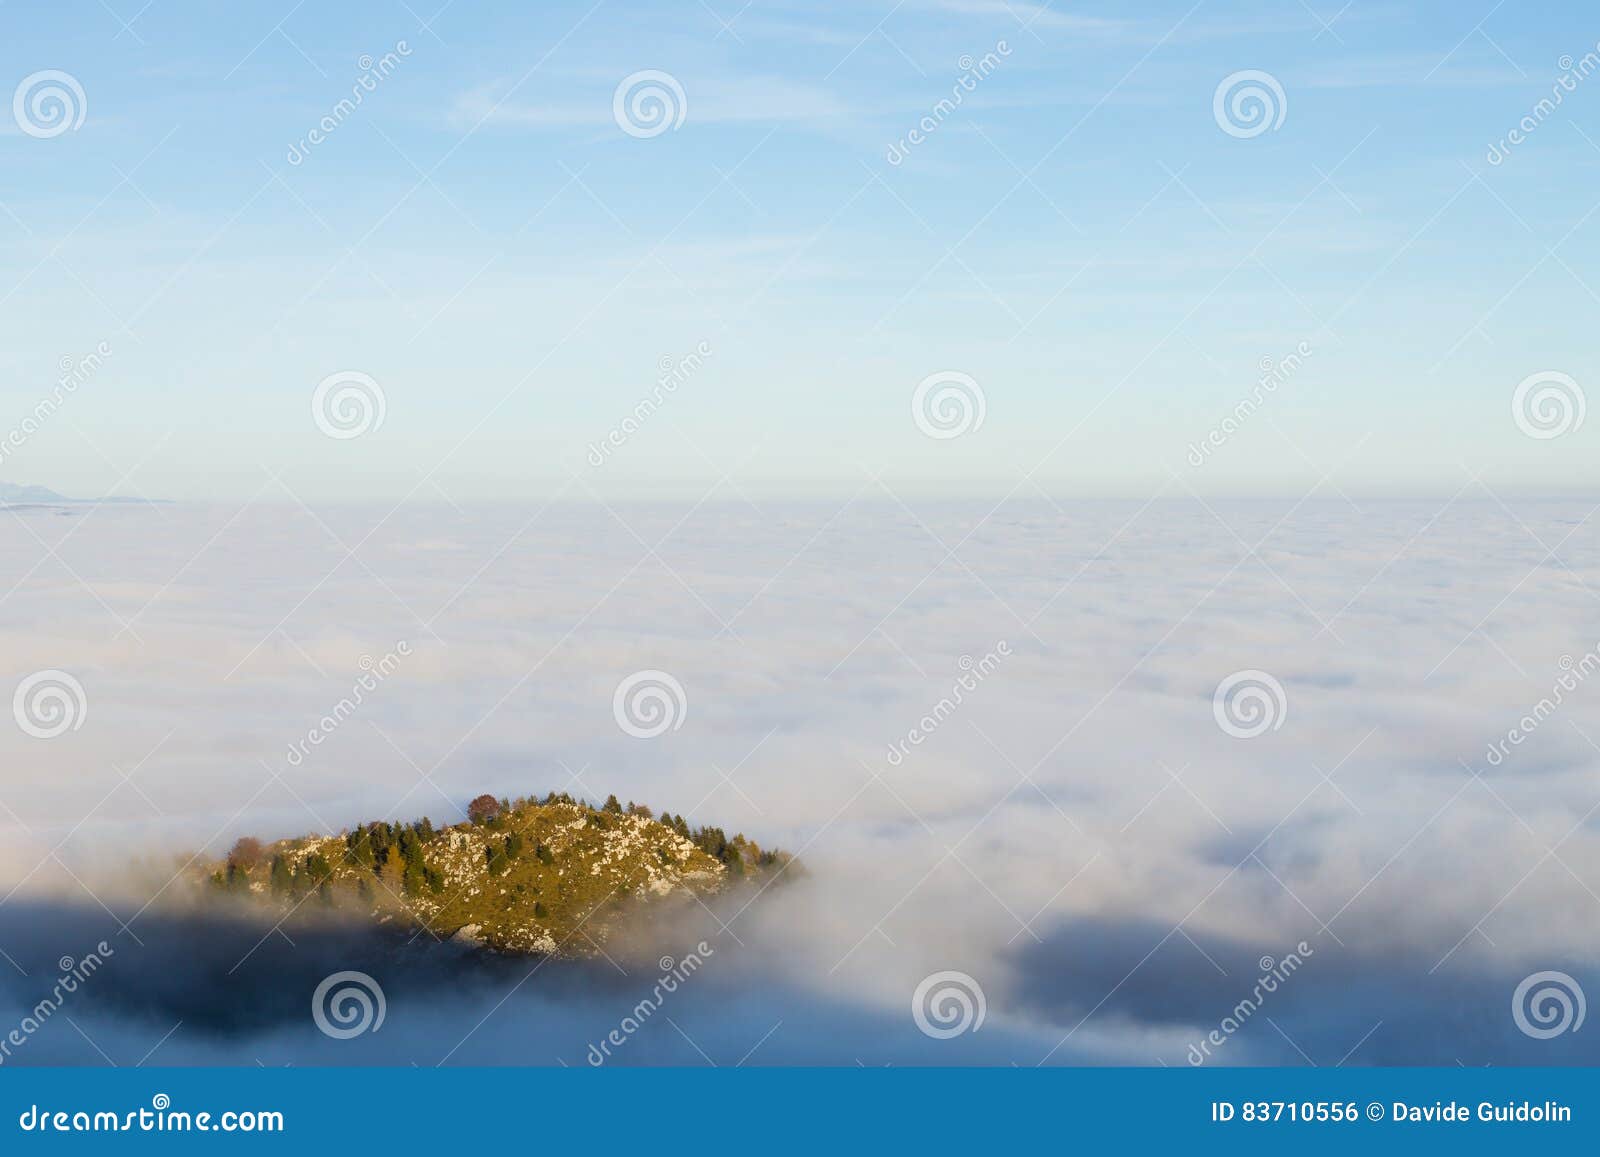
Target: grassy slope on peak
<point>527,875</point>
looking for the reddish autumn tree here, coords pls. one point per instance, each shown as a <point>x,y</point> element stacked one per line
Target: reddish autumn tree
<point>246,853</point>
<point>483,809</point>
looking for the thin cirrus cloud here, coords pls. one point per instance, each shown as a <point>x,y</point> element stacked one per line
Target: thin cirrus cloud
<point>713,100</point>
<point>1028,15</point>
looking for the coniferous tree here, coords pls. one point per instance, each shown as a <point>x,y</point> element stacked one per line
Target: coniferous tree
<point>413,879</point>
<point>281,877</point>
<point>409,847</point>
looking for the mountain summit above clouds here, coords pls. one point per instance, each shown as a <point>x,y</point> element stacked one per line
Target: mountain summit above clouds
<point>12,494</point>
<point>548,877</point>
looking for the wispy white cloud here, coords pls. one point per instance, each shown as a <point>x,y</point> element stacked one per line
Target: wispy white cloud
<point>712,99</point>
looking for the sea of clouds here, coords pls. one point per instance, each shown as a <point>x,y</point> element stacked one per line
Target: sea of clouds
<point>1078,834</point>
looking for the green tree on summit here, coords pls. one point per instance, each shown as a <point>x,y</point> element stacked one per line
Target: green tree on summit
<point>281,879</point>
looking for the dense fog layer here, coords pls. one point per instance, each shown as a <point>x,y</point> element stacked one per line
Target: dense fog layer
<point>1073,829</point>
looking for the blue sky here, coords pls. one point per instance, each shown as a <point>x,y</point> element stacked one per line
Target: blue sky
<point>1080,237</point>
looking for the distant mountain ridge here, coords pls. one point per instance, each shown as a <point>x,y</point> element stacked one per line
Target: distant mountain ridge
<point>12,494</point>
